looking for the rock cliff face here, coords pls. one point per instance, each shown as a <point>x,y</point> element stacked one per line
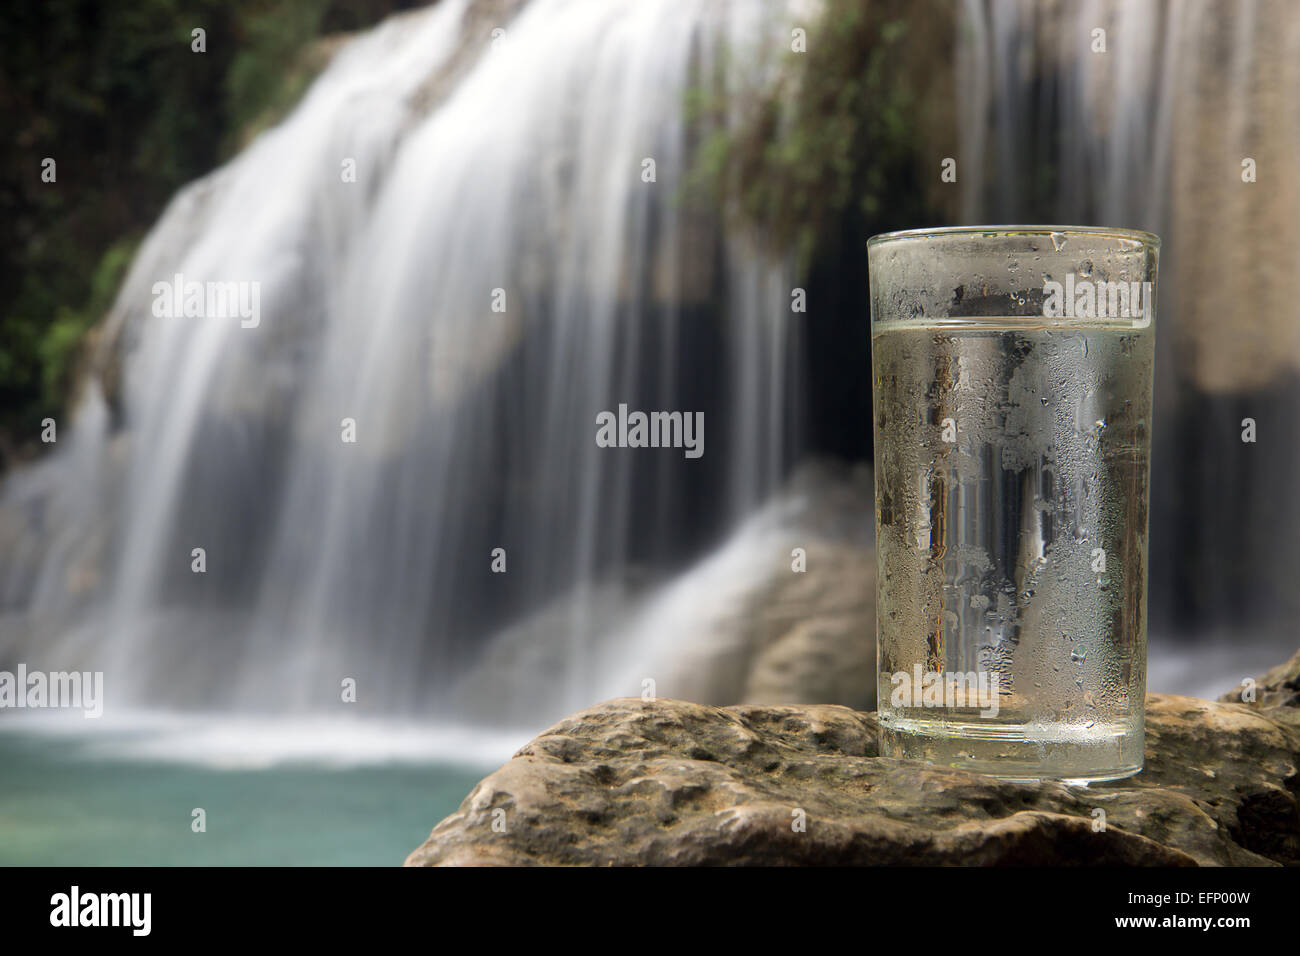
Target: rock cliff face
<point>669,782</point>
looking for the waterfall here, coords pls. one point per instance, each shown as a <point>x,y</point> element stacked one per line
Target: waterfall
<point>477,232</point>
<point>518,252</point>
<point>1150,129</point>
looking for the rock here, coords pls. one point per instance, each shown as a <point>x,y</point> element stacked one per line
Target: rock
<point>1277,692</point>
<point>676,783</point>
<point>739,626</point>
<point>825,658</point>
<point>761,632</point>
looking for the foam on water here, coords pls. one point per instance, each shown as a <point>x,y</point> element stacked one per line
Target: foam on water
<point>253,742</point>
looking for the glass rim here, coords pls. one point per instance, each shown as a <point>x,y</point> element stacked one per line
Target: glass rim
<point>1149,239</point>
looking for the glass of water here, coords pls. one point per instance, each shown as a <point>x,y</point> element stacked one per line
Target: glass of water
<point>1011,371</point>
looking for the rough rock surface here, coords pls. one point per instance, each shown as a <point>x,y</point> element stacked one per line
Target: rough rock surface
<point>1277,692</point>
<point>669,782</point>
<point>791,637</point>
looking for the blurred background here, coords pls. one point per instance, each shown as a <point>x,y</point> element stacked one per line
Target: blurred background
<point>473,226</point>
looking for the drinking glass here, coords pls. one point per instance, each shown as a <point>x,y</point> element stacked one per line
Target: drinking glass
<point>1011,374</point>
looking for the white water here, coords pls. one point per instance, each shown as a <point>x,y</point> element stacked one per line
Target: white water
<point>515,166</point>
<point>225,741</point>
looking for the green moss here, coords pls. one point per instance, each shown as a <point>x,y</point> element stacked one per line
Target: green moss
<point>845,130</point>
<point>267,75</point>
<point>60,343</point>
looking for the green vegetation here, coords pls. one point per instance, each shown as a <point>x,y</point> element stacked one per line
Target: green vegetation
<point>114,94</point>
<point>854,128</point>
<point>846,142</point>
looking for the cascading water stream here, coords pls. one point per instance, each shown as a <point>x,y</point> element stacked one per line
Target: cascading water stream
<point>517,254</point>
